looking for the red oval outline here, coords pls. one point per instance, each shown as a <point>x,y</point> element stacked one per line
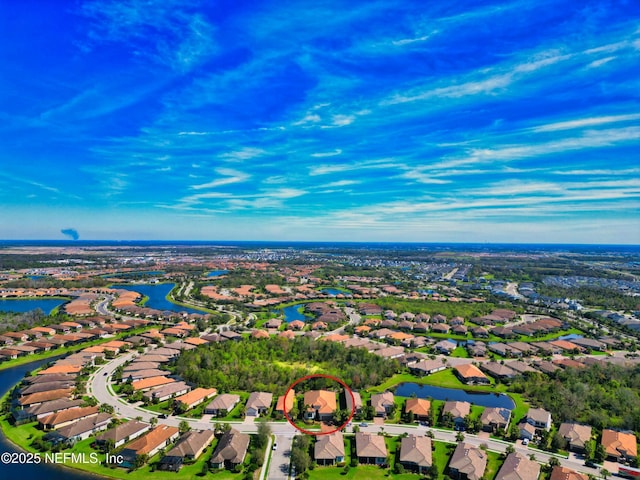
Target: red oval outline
<point>319,375</point>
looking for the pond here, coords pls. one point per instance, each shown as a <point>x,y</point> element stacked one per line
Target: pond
<point>291,313</point>
<point>484,399</point>
<point>217,273</point>
<point>157,296</point>
<point>30,471</point>
<point>334,291</point>
<point>26,305</point>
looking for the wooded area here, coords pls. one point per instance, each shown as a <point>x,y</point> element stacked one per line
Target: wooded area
<point>601,395</point>
<point>275,363</point>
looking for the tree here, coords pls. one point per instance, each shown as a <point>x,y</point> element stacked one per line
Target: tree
<point>605,473</point>
<point>153,421</point>
<point>184,426</point>
<point>264,432</point>
<point>300,458</point>
<point>459,437</point>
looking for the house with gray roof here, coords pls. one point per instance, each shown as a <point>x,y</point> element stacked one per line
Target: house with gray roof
<point>231,450</point>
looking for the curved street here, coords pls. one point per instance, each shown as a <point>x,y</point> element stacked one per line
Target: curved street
<point>97,386</point>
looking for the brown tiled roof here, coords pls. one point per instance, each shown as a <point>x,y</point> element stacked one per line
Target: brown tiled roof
<point>232,447</point>
<point>457,409</point>
<point>191,443</point>
<point>328,447</point>
<point>45,396</point>
<point>416,451</point>
<point>518,467</point>
<point>370,445</point>
<point>322,400</point>
<point>469,460</point>
<point>419,406</point>
<point>123,431</point>
<point>68,415</point>
<point>151,382</point>
<point>196,395</point>
<point>223,402</point>
<point>619,443</point>
<point>563,473</point>
<point>151,440</point>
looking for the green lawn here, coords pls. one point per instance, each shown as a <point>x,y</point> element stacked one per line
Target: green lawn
<point>460,352</point>
<point>362,472</point>
<point>441,454</point>
<point>494,462</point>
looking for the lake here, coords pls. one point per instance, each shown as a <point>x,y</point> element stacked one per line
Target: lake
<point>440,393</point>
<point>21,306</point>
<point>8,378</point>
<point>157,293</point>
<point>291,313</point>
<point>217,273</point>
<point>334,291</point>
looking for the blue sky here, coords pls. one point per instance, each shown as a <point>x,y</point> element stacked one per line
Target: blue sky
<point>349,120</point>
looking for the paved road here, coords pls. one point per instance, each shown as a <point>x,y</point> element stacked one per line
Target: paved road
<point>280,458</point>
<point>284,432</point>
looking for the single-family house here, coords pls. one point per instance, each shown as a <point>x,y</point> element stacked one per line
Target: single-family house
<point>149,444</point>
<point>65,417</point>
<point>415,453</point>
<point>123,433</point>
<point>427,367</point>
<point>619,446</point>
<point>81,429</point>
<point>495,419</point>
<point>419,407</point>
<point>527,431</point>
<point>518,466</point>
<point>467,462</point>
<point>458,411</point>
<point>470,374</point>
<point>320,404</point>
<point>221,405</point>
<point>563,473</point>
<point>282,405</point>
<point>539,418</point>
<point>382,403</point>
<point>189,447</point>
<point>354,404</point>
<point>371,448</point>
<point>231,450</point>
<point>165,392</point>
<point>329,449</point>
<point>194,398</point>
<point>576,436</point>
<point>258,403</point>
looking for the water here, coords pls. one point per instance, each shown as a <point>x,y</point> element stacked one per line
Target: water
<point>571,336</point>
<point>291,313</point>
<point>217,273</point>
<point>440,393</point>
<point>157,294</point>
<point>334,291</point>
<point>8,378</point>
<point>21,306</point>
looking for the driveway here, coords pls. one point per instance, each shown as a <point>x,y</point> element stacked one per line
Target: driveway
<point>280,458</point>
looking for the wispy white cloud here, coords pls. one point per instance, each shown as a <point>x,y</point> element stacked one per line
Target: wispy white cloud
<point>586,122</point>
<point>337,151</point>
<point>229,177</point>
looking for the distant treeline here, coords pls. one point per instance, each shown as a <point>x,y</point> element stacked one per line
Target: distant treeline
<point>449,309</point>
<point>601,395</point>
<point>275,363</point>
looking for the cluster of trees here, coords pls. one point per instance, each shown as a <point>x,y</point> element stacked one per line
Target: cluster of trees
<point>275,363</point>
<point>300,456</point>
<point>465,310</point>
<point>603,396</point>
